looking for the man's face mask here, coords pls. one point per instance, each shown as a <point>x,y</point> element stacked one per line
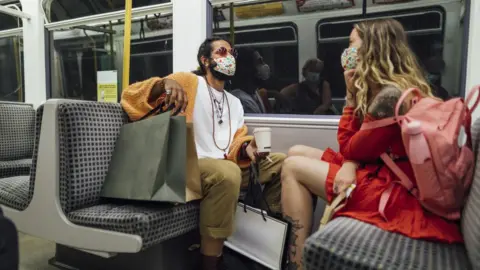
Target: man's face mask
<point>263,72</point>
<point>225,65</point>
<point>312,77</point>
<point>349,58</point>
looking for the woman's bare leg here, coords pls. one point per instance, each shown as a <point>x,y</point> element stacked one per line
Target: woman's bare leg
<point>305,151</point>
<point>301,176</point>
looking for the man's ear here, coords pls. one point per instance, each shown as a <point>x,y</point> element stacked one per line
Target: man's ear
<point>204,61</point>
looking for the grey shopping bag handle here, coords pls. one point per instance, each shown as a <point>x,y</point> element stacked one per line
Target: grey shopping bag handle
<point>158,110</point>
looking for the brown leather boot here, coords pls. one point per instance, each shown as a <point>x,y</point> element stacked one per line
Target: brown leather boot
<point>213,263</point>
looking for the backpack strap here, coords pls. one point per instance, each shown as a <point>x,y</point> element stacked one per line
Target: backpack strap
<point>404,181</point>
<point>380,123</point>
<point>475,90</point>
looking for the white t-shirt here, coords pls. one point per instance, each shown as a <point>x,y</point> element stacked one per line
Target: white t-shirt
<point>203,124</point>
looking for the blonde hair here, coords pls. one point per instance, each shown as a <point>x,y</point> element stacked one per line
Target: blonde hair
<point>385,59</point>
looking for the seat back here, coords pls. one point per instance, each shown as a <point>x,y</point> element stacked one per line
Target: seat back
<point>87,135</point>
<point>17,130</point>
<point>33,169</point>
<point>470,220</point>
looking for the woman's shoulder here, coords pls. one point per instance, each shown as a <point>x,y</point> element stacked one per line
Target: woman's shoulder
<point>384,103</point>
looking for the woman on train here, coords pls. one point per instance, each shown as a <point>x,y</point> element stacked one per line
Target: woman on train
<point>379,66</point>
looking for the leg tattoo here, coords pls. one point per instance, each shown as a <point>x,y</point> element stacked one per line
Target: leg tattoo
<point>295,227</point>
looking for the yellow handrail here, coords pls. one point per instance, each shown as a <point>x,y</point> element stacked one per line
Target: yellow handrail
<point>126,43</point>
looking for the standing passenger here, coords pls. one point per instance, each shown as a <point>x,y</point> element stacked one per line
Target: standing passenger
<point>223,147</point>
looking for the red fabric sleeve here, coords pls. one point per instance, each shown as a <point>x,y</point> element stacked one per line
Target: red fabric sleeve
<point>363,145</point>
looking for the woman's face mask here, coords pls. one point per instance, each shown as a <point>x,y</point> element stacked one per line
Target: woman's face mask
<point>263,72</point>
<point>349,58</point>
<point>312,77</point>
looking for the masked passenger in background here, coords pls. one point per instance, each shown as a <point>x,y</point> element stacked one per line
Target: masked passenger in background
<point>313,95</point>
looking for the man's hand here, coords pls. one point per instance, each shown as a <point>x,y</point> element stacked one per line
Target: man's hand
<point>346,176</point>
<point>175,95</point>
<point>252,152</point>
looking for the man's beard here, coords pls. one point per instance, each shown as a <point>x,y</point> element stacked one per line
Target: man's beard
<point>218,75</point>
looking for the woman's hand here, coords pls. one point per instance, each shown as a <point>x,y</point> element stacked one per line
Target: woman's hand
<point>351,89</point>
<point>349,81</point>
<point>252,151</point>
<point>175,95</point>
<point>346,176</point>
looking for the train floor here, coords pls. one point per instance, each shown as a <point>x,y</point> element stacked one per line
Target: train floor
<point>35,253</point>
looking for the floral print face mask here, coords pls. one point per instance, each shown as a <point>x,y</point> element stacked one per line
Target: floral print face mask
<point>349,58</point>
<point>225,65</point>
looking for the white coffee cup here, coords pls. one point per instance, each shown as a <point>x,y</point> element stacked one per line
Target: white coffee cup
<point>263,138</point>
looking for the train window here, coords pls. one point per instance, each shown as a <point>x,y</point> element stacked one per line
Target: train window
<point>426,30</point>
<point>11,69</point>
<point>59,10</point>
<point>280,35</point>
<point>151,57</point>
<point>80,54</point>
<point>9,22</point>
<point>278,46</point>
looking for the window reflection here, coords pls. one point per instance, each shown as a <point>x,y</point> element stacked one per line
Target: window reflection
<point>303,49</point>
<point>77,61</point>
<point>79,56</point>
<point>59,10</point>
<point>11,69</point>
<point>9,22</point>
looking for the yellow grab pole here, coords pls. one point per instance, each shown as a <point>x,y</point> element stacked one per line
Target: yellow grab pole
<point>126,43</point>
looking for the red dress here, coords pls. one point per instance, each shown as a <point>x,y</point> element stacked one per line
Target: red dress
<point>404,213</point>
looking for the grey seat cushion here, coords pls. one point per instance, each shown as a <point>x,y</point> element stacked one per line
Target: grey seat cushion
<point>155,223</point>
<point>15,167</point>
<point>351,244</point>
<point>14,192</point>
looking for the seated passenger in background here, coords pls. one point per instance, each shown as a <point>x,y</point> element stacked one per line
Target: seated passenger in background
<point>223,147</point>
<point>375,81</point>
<point>313,95</point>
<point>434,68</point>
<point>249,78</point>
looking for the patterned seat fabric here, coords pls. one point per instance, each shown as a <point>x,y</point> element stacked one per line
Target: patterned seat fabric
<point>15,167</point>
<point>16,191</point>
<point>351,244</point>
<point>154,223</point>
<point>17,132</point>
<point>470,220</point>
<point>88,132</point>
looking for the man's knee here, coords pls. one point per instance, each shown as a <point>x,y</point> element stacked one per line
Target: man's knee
<point>226,176</point>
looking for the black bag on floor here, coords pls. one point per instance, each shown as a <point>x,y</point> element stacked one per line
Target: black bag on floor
<point>8,244</point>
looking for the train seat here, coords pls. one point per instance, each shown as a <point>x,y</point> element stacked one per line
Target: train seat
<point>17,128</point>
<point>351,244</point>
<point>77,139</point>
<point>16,188</point>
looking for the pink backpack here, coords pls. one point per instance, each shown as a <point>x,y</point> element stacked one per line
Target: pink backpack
<point>436,136</point>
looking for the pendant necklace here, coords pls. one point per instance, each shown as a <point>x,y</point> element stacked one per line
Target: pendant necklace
<point>216,107</point>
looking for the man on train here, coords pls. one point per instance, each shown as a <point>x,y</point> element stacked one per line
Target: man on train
<point>224,149</point>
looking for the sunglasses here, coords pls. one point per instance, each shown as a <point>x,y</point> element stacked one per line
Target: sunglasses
<point>222,51</point>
